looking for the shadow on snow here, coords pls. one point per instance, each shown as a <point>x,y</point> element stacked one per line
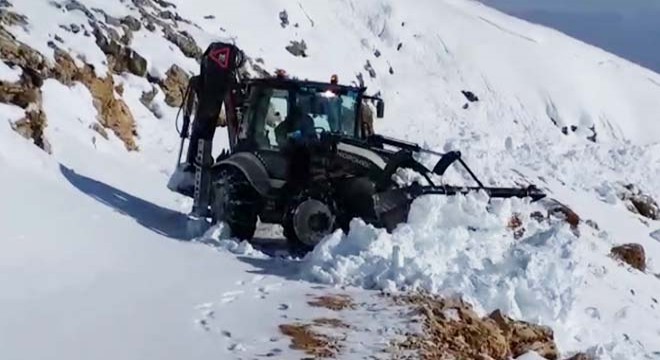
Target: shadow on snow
<point>173,224</point>
<point>165,222</point>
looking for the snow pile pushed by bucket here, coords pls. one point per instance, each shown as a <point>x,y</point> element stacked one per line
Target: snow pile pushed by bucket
<point>462,245</point>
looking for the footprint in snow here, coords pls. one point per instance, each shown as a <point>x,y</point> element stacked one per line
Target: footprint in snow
<point>622,314</point>
<point>257,278</point>
<point>230,296</point>
<point>236,347</point>
<point>593,312</point>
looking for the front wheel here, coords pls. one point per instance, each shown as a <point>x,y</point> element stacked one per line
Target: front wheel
<point>236,203</point>
<point>307,222</point>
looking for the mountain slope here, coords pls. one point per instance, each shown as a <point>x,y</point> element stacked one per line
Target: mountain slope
<point>101,261</point>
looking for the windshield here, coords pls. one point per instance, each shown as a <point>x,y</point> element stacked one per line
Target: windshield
<point>274,115</point>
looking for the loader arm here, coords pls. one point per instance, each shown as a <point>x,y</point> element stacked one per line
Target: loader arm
<point>392,205</point>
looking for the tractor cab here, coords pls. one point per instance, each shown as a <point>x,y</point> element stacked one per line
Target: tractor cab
<point>276,109</point>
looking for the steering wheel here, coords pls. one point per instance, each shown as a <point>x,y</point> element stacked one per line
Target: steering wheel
<point>317,128</point>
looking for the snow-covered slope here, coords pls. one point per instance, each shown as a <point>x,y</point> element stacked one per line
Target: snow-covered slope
<point>88,256</point>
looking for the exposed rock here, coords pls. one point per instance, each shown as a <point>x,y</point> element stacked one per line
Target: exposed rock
<point>312,343</point>
<point>538,216</point>
<point>148,96</point>
<point>631,254</point>
<point>108,45</point>
<point>255,65</point>
<point>594,136</point>
<point>147,99</point>
<point>333,302</point>
<point>19,94</point>
<point>524,337</point>
<point>135,63</point>
<point>185,42</point>
<point>297,48</point>
<point>209,17</point>
<point>113,112</point>
<point>121,58</point>
<point>32,127</point>
<point>5,4</point>
<point>452,330</point>
<point>109,19</point>
<point>592,224</point>
<point>470,96</point>
<point>370,69</point>
<point>127,38</point>
<point>581,356</point>
<point>73,5</point>
<point>132,23</point>
<point>640,203</point>
<point>284,19</point>
<point>165,4</point>
<point>11,18</point>
<point>100,130</point>
<point>565,213</point>
<point>516,225</point>
<point>174,86</point>
<point>168,15</point>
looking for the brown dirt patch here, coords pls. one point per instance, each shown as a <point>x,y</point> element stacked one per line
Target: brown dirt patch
<point>452,330</point>
<point>312,343</point>
<point>331,323</point>
<point>335,302</point>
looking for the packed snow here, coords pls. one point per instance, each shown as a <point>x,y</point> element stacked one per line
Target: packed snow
<point>10,73</point>
<point>96,263</point>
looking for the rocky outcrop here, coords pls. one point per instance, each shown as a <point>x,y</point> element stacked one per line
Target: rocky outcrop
<point>32,127</point>
<point>631,254</point>
<point>639,202</point>
<point>174,86</point>
<point>11,18</point>
<point>185,42</point>
<point>113,112</point>
<point>453,330</point>
<point>25,93</point>
<point>297,48</point>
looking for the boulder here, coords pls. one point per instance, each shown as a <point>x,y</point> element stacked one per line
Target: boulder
<point>631,254</point>
<point>174,86</point>
<point>132,23</point>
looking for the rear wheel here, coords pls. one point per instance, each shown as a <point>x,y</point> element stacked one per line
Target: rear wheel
<point>236,203</point>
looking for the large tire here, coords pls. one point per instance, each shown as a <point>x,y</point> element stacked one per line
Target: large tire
<point>322,208</point>
<point>236,203</point>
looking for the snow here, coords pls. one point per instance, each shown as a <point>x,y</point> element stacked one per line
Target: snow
<point>10,73</point>
<point>44,24</point>
<point>107,271</point>
<point>532,355</point>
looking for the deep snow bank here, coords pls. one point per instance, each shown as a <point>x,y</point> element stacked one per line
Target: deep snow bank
<point>462,245</point>
<point>553,274</point>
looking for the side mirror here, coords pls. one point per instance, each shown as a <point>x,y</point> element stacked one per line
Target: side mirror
<point>380,109</point>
